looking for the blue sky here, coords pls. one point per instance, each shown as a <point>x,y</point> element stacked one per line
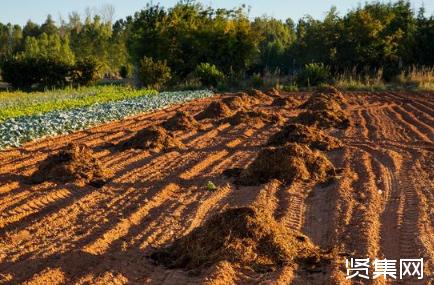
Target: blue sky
<point>19,11</point>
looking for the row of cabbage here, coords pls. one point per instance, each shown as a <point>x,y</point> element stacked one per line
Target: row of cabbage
<point>16,103</point>
<point>16,131</point>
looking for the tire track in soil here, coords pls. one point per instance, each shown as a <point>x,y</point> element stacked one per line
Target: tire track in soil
<point>412,134</point>
<point>418,125</point>
<point>421,116</point>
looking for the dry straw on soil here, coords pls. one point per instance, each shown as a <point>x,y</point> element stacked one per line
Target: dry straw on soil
<point>74,163</point>
<point>152,138</point>
<point>288,163</point>
<point>181,121</point>
<point>311,136</point>
<point>252,118</point>
<point>246,236</point>
<point>215,110</point>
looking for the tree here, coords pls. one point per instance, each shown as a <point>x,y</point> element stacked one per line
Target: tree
<point>49,26</point>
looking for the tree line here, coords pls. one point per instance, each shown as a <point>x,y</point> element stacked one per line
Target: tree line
<point>190,41</point>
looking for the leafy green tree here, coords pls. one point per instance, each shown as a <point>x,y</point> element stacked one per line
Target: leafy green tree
<point>48,46</point>
<point>275,39</point>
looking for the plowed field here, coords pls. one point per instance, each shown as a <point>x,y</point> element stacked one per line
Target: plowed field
<point>382,205</point>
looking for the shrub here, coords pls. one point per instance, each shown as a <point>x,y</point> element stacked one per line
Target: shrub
<point>314,74</point>
<point>43,72</point>
<point>154,73</point>
<point>84,71</point>
<point>209,75</point>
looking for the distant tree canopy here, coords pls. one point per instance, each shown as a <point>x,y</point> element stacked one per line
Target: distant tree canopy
<point>391,36</point>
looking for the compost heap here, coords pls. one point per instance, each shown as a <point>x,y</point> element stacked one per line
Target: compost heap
<point>308,135</point>
<point>323,109</point>
<point>74,163</point>
<point>239,101</point>
<point>289,163</point>
<point>215,110</point>
<point>245,236</point>
<point>181,121</point>
<point>152,138</point>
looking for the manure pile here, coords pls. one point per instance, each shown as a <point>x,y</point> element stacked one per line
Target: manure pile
<point>310,135</point>
<point>152,138</point>
<point>215,110</point>
<point>247,236</point>
<point>294,153</point>
<point>181,121</point>
<point>323,109</point>
<point>289,163</point>
<point>74,163</point>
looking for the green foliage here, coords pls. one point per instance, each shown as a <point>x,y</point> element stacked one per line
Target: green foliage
<point>189,34</point>
<point>374,36</point>
<point>314,74</point>
<point>46,72</point>
<point>154,73</point>
<point>276,38</point>
<point>84,71</point>
<point>24,72</point>
<point>50,47</point>
<point>209,75</point>
<point>210,186</point>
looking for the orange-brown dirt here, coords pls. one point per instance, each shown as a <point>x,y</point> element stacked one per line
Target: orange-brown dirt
<point>252,117</point>
<point>380,206</point>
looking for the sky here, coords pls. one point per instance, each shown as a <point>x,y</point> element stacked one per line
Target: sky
<point>19,11</point>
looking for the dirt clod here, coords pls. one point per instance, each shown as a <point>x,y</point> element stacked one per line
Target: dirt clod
<point>252,118</point>
<point>74,163</point>
<point>215,110</point>
<point>309,135</point>
<point>181,121</point>
<point>245,236</point>
<point>153,138</point>
<point>289,163</point>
